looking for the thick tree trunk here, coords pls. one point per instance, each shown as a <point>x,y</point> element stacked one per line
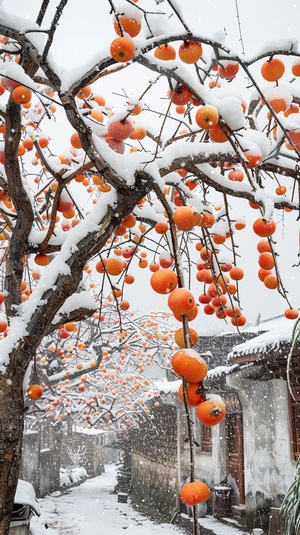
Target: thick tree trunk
<point>11,434</point>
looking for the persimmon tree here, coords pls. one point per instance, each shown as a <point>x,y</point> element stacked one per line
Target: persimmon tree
<point>132,183</point>
<point>95,375</point>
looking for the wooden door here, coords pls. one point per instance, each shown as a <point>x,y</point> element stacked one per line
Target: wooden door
<point>234,447</point>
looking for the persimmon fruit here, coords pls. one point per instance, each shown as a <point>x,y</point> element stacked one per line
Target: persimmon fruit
<point>211,411</point>
<point>165,52</point>
<point>184,217</point>
<point>262,273</point>
<point>42,259</point>
<point>35,391</point>
<point>180,340</point>
<point>84,92</point>
<point>236,175</point>
<point>190,316</point>
<point>115,145</point>
<point>271,282</point>
<point>239,321</point>
<point>190,51</point>
<point>253,159</point>
<point>21,94</point>
<point>164,281</point>
<point>263,246</point>
<point>219,134</point>
<point>161,227</point>
<point>124,305</point>
<point>122,49</point>
<point>281,189</point>
<point>139,133</point>
<point>3,326</point>
<point>129,221</point>
<point>228,69</point>
<point>76,141</point>
<point>204,275</point>
<point>97,115</point>
<point>296,68</point>
<point>181,301</point>
<point>264,228</point>
<point>194,492</point>
<point>266,261</point>
<point>291,313</point>
<point>114,266</point>
<point>120,130</point>
<point>194,394</point>
<point>207,116</point>
<point>189,364</point>
<point>236,273</point>
<point>181,95</point>
<point>273,69</point>
<point>129,25</point>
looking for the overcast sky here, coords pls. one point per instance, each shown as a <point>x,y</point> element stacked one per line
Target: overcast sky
<point>85,22</point>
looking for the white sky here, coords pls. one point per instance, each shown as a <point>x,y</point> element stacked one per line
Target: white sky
<point>85,24</point>
<point>87,29</point>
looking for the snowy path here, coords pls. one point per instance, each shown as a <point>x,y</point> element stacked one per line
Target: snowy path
<point>92,509</point>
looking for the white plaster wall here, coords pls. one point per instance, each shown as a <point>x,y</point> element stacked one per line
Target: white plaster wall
<point>269,469</point>
<point>211,466</point>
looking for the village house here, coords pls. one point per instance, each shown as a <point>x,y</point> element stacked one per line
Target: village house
<point>249,459</point>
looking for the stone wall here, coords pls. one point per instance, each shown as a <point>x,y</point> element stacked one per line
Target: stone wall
<point>154,486</point>
<point>29,470</point>
<point>40,463</point>
<point>154,463</point>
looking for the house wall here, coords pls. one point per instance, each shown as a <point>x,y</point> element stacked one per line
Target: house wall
<point>210,467</point>
<point>93,458</point>
<point>40,463</point>
<point>269,469</point>
<point>158,472</point>
<point>45,451</point>
<point>154,485</point>
<point>154,473</point>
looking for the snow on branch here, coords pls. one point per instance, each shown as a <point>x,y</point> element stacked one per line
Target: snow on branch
<point>75,308</point>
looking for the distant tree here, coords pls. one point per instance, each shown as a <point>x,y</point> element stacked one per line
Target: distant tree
<point>96,375</point>
<point>133,182</point>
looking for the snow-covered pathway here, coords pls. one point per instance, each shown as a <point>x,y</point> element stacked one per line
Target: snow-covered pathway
<point>92,508</point>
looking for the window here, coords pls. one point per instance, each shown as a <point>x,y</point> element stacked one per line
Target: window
<point>231,432</point>
<point>203,437</point>
<point>206,440</point>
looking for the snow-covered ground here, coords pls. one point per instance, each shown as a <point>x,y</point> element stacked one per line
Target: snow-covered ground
<point>92,508</point>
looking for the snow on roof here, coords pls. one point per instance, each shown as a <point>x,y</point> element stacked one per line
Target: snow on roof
<point>221,371</point>
<point>169,387</point>
<point>277,330</point>
<point>90,431</point>
<point>25,495</point>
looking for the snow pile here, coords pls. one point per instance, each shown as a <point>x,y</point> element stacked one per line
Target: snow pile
<point>25,495</point>
<point>71,476</point>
